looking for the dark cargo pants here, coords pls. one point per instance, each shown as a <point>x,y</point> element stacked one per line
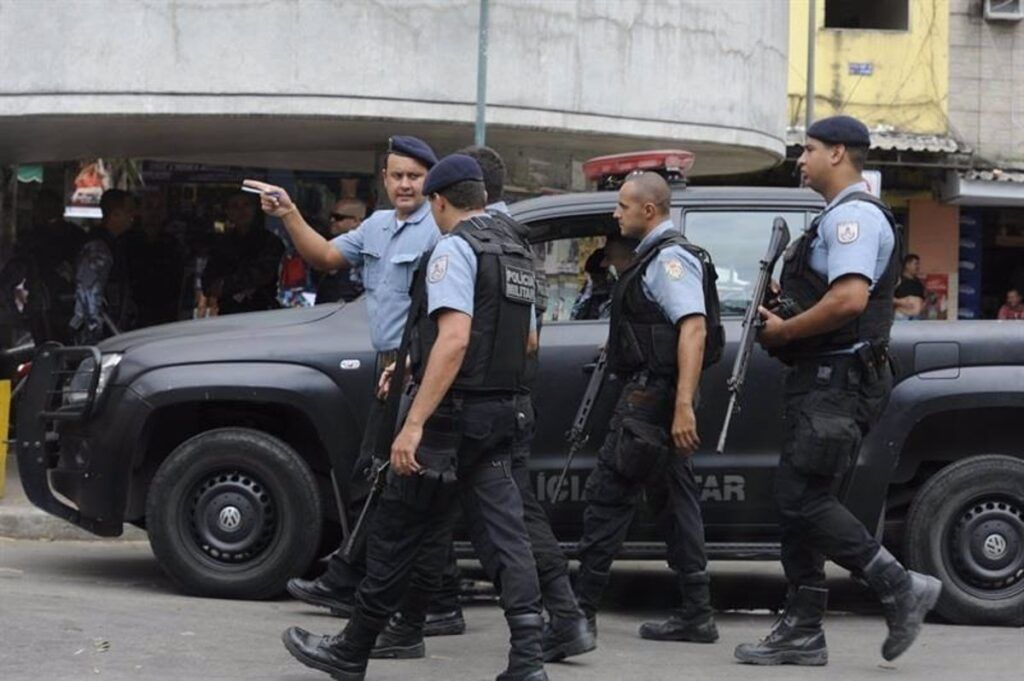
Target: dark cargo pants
<point>417,511</point>
<point>638,454</point>
<point>550,559</point>
<point>830,405</point>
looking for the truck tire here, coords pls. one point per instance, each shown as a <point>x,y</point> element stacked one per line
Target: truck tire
<point>234,513</point>
<point>966,527</point>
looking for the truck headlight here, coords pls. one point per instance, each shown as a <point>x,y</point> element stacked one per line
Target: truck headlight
<point>77,389</point>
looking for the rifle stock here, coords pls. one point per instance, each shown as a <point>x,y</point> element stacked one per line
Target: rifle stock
<point>751,323</point>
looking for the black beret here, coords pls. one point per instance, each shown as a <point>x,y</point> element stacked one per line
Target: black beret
<point>451,169</point>
<point>413,147</point>
<point>840,130</point>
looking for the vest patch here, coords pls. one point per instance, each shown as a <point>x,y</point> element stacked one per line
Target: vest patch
<point>847,232</point>
<point>520,284</point>
<point>438,268</point>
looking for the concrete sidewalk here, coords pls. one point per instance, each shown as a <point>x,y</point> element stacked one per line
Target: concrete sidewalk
<point>19,519</point>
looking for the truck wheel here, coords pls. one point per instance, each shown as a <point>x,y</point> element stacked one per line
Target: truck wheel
<point>966,527</point>
<point>234,513</point>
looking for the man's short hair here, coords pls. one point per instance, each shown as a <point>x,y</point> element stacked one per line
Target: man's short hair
<point>465,195</point>
<point>858,156</point>
<point>910,257</point>
<point>113,200</point>
<point>652,188</point>
<point>493,167</point>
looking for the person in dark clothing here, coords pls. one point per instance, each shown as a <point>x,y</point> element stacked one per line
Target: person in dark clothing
<point>103,299</point>
<point>345,284</point>
<point>39,280</point>
<point>241,275</point>
<point>156,264</point>
<point>908,300</point>
<point>595,297</point>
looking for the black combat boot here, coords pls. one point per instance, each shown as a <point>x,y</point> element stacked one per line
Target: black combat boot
<point>906,598</point>
<point>343,656</point>
<point>797,637</point>
<point>589,587</point>
<point>694,621</point>
<point>402,639</point>
<point>566,634</point>
<point>450,623</point>
<point>525,653</point>
<point>320,592</point>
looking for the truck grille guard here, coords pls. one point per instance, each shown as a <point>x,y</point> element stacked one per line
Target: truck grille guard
<point>41,407</point>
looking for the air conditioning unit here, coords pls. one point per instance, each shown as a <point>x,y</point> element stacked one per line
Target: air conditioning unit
<point>1004,10</point>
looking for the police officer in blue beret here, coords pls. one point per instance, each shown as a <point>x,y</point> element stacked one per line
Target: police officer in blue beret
<point>566,633</point>
<point>832,328</point>
<point>469,334</point>
<point>387,247</point>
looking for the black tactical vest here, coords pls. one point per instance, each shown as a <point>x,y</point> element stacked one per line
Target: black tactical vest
<point>640,337</point>
<point>504,290</point>
<point>802,288</point>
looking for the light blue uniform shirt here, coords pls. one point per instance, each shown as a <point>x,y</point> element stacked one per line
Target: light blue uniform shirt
<point>854,238</point>
<point>387,250</point>
<point>498,207</point>
<point>451,277</point>
<point>674,279</point>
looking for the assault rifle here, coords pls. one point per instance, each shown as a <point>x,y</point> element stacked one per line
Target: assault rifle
<point>356,538</point>
<point>579,434</point>
<point>752,322</point>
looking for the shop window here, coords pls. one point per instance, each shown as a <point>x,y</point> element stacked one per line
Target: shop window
<point>737,241</point>
<point>885,15</point>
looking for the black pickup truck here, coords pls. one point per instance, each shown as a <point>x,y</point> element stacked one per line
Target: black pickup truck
<point>219,437</point>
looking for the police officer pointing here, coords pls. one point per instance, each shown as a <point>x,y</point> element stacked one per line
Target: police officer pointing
<point>656,345</point>
<point>468,334</point>
<point>832,327</point>
<point>387,246</point>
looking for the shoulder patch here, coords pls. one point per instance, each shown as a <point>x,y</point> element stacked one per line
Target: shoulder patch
<point>847,232</point>
<point>438,268</point>
<point>673,269</point>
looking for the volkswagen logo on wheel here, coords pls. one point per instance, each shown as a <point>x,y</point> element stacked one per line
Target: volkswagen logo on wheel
<point>995,546</point>
<point>230,518</point>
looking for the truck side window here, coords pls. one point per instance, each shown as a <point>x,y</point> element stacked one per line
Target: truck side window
<point>736,240</point>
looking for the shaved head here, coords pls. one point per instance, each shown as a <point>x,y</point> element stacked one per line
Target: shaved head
<point>651,188</point>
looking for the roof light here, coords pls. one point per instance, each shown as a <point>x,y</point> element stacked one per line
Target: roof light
<point>610,171</point>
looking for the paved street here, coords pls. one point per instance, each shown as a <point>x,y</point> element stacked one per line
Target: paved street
<point>77,610</point>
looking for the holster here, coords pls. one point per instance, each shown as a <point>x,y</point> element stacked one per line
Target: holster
<point>640,450</point>
<point>438,456</point>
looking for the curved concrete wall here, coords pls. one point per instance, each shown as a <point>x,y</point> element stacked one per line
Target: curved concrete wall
<point>586,76</point>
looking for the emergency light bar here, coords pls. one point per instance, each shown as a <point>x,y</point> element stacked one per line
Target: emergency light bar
<point>610,171</point>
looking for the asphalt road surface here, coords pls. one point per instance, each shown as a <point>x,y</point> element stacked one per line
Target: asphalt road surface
<point>104,610</point>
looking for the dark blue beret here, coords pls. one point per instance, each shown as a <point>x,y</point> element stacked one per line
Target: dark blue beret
<point>413,147</point>
<point>840,130</point>
<point>452,169</point>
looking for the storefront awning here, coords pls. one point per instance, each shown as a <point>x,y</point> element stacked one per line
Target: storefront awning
<point>984,188</point>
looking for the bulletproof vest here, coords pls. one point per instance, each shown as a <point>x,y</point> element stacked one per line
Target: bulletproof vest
<point>640,337</point>
<point>802,288</point>
<point>505,288</point>
<point>117,293</point>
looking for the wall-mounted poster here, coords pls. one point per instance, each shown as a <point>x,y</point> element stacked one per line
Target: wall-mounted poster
<point>87,187</point>
<point>939,296</point>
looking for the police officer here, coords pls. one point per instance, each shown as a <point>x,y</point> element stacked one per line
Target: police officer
<point>656,345</point>
<point>566,633</point>
<point>468,338</point>
<point>832,327</point>
<point>387,246</point>
<point>103,302</point>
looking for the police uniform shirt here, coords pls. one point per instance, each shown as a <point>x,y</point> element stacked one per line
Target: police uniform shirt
<point>451,278</point>
<point>387,250</point>
<point>498,207</point>
<point>674,279</point>
<point>854,238</point>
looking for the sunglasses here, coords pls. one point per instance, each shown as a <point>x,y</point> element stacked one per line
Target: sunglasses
<point>338,217</point>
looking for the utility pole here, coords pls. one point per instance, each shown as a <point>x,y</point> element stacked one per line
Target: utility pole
<point>480,138</point>
<point>812,30</point>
